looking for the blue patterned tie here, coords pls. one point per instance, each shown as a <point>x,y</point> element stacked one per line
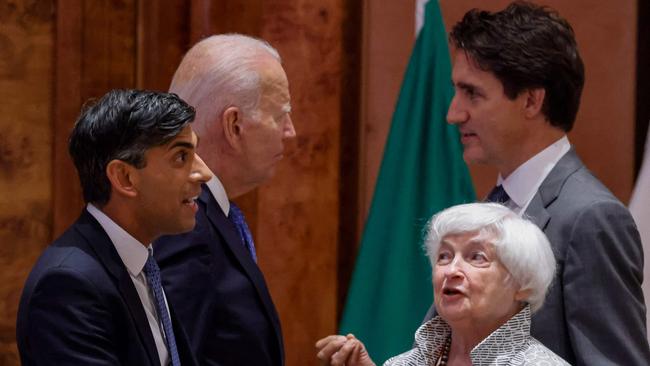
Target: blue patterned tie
<point>152,271</point>
<point>237,218</point>
<point>498,195</point>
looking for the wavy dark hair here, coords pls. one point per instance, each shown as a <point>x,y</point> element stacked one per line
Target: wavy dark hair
<point>527,46</point>
<point>122,125</point>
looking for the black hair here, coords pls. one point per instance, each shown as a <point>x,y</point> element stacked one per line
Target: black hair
<point>122,125</point>
<point>527,46</point>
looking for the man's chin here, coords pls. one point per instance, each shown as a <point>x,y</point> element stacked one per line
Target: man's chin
<point>268,174</point>
<point>474,157</point>
<point>189,226</point>
<point>183,226</point>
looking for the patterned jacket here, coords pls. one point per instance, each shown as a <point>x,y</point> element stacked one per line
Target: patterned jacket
<point>509,345</point>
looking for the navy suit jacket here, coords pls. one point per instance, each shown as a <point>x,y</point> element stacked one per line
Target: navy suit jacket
<point>219,292</point>
<point>80,307</point>
<point>594,312</point>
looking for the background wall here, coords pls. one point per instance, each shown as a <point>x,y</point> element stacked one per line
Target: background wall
<point>26,68</point>
<point>344,60</point>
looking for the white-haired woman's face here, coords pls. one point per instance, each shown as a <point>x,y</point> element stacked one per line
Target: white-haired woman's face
<point>471,286</point>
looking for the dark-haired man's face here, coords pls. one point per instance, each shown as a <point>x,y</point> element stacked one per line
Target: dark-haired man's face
<point>491,126</point>
<point>168,186</point>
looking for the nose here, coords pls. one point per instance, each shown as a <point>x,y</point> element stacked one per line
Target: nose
<point>289,131</point>
<point>454,268</point>
<point>456,114</point>
<point>200,172</point>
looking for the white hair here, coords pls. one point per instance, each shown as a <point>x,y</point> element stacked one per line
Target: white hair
<point>222,71</point>
<point>520,245</point>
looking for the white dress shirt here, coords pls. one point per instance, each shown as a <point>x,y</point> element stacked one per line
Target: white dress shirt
<point>134,255</point>
<point>219,193</point>
<point>522,184</point>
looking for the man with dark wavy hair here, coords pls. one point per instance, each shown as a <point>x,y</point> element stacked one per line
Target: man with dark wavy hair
<point>518,78</point>
<point>94,297</point>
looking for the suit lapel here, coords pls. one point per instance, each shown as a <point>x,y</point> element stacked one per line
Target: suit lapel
<point>536,212</point>
<point>101,244</point>
<point>182,343</point>
<point>228,231</point>
<point>551,187</point>
<point>230,235</point>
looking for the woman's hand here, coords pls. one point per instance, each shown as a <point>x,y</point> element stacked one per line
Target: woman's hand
<point>338,350</point>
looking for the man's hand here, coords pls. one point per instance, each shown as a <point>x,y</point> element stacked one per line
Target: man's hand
<point>338,350</point>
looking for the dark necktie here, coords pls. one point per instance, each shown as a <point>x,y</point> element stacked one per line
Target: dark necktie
<point>237,218</point>
<point>498,195</point>
<point>152,271</point>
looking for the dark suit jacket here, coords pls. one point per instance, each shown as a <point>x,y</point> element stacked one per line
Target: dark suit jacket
<point>80,307</point>
<point>594,313</point>
<point>219,292</point>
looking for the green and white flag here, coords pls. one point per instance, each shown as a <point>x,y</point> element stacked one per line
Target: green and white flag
<point>422,172</point>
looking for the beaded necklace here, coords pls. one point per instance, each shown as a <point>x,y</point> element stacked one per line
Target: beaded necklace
<point>444,356</point>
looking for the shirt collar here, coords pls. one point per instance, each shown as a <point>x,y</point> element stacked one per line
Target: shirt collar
<point>516,331</point>
<point>219,193</point>
<point>522,184</point>
<point>133,253</point>
<point>430,339</point>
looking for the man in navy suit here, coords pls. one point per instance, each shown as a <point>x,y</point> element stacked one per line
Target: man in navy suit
<point>241,96</point>
<point>94,295</point>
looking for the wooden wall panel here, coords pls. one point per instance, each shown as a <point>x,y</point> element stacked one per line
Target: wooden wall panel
<point>26,44</point>
<point>350,132</point>
<point>388,39</point>
<point>225,16</point>
<point>605,128</point>
<point>95,52</point>
<point>642,84</point>
<point>297,211</point>
<point>163,37</point>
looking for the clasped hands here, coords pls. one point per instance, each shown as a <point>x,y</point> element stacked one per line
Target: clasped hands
<point>338,350</point>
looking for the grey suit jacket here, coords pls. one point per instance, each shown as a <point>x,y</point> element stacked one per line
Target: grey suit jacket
<point>594,313</point>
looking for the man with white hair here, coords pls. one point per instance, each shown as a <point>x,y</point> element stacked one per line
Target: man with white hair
<point>241,95</point>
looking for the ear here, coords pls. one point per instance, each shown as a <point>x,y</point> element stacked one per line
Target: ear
<point>122,178</point>
<point>523,294</point>
<point>534,100</point>
<point>231,123</point>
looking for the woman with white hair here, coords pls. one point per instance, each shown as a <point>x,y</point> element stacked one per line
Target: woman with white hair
<point>491,270</point>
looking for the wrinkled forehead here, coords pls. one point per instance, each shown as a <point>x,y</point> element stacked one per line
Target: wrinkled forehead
<point>477,238</point>
<point>274,85</point>
<point>272,76</point>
